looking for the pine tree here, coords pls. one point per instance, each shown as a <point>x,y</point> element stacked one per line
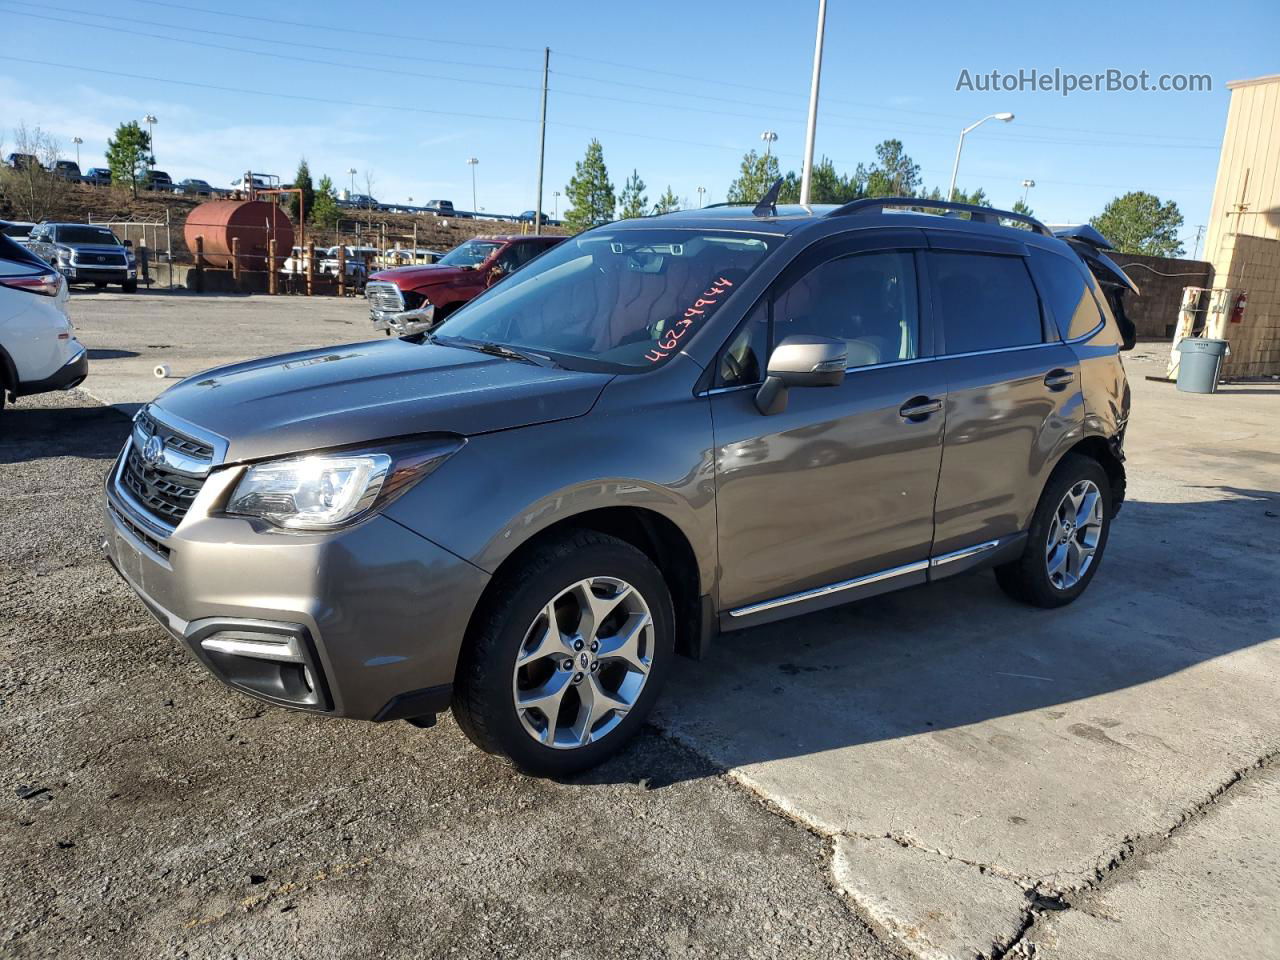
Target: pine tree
<point>324,208</point>
<point>632,202</point>
<point>755,177</point>
<point>590,194</point>
<point>302,181</point>
<point>668,202</point>
<point>127,155</point>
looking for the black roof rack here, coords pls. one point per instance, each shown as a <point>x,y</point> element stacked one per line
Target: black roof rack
<point>980,214</point>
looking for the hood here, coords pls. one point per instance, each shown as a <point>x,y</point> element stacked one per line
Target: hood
<point>362,392</point>
<point>410,278</point>
<point>91,247</point>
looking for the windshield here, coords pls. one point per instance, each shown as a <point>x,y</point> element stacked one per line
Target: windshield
<point>620,300</point>
<point>470,254</point>
<point>87,235</point>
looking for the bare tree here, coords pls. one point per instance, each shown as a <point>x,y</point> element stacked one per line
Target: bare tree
<point>31,186</point>
<point>368,192</point>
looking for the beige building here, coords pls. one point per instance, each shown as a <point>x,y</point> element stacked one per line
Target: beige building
<point>1244,224</point>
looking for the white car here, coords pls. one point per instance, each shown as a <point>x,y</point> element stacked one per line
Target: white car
<point>39,351</point>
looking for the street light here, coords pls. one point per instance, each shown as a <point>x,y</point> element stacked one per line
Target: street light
<point>769,138</point>
<point>955,169</point>
<point>1026,188</point>
<point>471,162</point>
<point>811,130</point>
<point>77,141</point>
<point>150,121</point>
<point>555,210</point>
<point>701,191</point>
<point>351,172</point>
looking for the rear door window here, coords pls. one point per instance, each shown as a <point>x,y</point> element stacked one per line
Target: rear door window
<point>1066,293</point>
<point>985,301</point>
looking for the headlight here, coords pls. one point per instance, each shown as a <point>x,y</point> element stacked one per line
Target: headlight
<point>64,254</point>
<point>330,490</point>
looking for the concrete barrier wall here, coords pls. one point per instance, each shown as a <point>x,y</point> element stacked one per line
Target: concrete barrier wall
<point>1161,279</point>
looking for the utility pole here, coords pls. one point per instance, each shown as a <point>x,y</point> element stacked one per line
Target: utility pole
<point>77,141</point>
<point>542,141</point>
<point>1195,253</point>
<point>471,162</point>
<point>807,173</point>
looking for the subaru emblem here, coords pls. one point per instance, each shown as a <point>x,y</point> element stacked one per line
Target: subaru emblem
<point>152,450</point>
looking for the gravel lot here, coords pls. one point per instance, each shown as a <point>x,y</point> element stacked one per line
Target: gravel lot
<point>937,773</point>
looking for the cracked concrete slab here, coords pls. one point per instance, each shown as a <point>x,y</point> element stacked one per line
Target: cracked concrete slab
<point>939,908</point>
<point>1211,891</point>
<point>1037,743</point>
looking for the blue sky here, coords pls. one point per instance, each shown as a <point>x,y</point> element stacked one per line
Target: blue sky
<point>408,91</point>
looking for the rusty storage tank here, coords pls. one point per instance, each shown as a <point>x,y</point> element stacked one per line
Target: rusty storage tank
<point>254,222</point>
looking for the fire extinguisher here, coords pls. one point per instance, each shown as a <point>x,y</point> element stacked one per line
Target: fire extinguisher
<point>1237,311</point>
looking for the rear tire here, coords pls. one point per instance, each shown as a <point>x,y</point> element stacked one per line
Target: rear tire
<point>553,631</point>
<point>1067,538</point>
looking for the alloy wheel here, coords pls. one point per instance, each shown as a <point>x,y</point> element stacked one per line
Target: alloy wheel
<point>1074,533</point>
<point>583,663</point>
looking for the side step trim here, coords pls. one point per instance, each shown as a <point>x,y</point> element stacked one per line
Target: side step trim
<point>830,589</point>
<point>964,554</point>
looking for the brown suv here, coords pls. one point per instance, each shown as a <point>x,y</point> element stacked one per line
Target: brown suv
<point>661,429</point>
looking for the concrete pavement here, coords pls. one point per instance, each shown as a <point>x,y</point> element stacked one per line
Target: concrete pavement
<point>989,780</point>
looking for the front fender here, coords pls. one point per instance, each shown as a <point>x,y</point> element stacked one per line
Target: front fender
<point>502,489</point>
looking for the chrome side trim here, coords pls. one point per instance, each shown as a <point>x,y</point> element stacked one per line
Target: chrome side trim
<point>228,642</point>
<point>963,554</point>
<point>831,588</point>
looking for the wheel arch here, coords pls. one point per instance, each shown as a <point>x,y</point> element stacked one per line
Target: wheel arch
<point>656,536</point>
<point>1106,451</point>
<point>8,372</point>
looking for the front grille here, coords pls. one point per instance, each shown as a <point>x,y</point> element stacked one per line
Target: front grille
<point>176,441</point>
<point>166,494</point>
<point>384,297</point>
<point>152,543</point>
<point>100,259</point>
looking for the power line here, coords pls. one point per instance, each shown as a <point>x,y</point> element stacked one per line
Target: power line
<point>262,53</point>
<point>268,40</point>
<point>399,37</point>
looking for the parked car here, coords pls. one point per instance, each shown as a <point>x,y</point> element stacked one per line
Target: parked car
<point>66,169</point>
<point>101,176</point>
<point>157,180</point>
<point>441,208</point>
<point>19,231</point>
<point>660,429</point>
<point>86,253</point>
<point>409,299</point>
<point>20,161</point>
<point>355,262</point>
<point>361,201</point>
<point>39,351</point>
<point>194,188</point>
<point>407,256</point>
<point>258,181</point>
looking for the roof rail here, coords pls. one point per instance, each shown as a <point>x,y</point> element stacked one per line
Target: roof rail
<point>980,214</point>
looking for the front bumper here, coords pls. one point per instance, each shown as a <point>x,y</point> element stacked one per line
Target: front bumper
<point>81,273</point>
<point>404,322</point>
<point>70,374</point>
<point>364,623</point>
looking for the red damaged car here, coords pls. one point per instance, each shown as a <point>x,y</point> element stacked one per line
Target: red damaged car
<point>412,299</point>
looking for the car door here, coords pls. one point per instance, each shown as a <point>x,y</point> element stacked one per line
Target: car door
<point>833,497</point>
<point>1013,399</point>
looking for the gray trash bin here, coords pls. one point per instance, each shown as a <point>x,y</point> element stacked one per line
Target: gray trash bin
<point>1199,364</point>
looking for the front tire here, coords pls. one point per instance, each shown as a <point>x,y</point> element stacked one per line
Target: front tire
<point>129,286</point>
<point>567,656</point>
<point>1067,538</point>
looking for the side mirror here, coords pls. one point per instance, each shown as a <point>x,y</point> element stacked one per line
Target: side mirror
<point>801,361</point>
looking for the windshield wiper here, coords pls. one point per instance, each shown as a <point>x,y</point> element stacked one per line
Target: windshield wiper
<point>498,350</point>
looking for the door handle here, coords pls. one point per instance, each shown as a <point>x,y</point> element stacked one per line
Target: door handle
<point>917,408</point>
<point>1057,379</point>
